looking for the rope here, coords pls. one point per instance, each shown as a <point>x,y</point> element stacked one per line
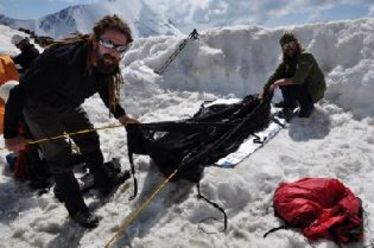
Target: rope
<point>66,135</point>
<point>124,226</point>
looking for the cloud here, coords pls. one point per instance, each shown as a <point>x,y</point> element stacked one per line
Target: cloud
<point>371,11</point>
<point>75,1</point>
<point>244,11</point>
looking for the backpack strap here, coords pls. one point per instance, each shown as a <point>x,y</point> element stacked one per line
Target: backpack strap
<point>257,139</point>
<point>286,226</point>
<point>214,205</point>
<point>130,155</point>
<point>278,122</point>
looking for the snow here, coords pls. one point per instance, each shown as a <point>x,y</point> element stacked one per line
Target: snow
<point>336,141</point>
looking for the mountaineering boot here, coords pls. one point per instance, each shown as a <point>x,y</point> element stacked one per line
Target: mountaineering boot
<point>112,182</point>
<point>67,191</point>
<point>106,176</point>
<point>286,113</point>
<point>85,219</point>
<point>288,104</point>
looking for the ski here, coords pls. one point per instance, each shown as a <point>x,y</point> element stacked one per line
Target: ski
<point>257,140</point>
<point>192,36</point>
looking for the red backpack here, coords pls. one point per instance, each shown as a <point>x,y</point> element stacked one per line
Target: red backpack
<point>321,208</point>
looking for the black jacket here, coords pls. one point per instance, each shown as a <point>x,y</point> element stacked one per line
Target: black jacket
<point>56,82</point>
<point>26,57</point>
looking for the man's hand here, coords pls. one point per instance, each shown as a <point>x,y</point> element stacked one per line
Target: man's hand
<point>16,144</point>
<point>280,82</point>
<point>125,119</point>
<point>273,87</point>
<point>261,95</point>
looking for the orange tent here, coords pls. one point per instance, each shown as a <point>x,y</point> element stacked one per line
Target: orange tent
<point>8,72</point>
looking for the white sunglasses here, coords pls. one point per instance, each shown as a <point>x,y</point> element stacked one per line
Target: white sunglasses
<point>116,47</point>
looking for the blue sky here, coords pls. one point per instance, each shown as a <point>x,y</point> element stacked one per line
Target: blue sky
<point>30,9</point>
<point>262,12</point>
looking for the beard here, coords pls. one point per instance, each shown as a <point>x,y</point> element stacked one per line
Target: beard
<point>106,64</point>
<point>290,52</point>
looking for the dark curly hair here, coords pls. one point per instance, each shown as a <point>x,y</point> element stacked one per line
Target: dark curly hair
<point>114,23</point>
<point>106,23</point>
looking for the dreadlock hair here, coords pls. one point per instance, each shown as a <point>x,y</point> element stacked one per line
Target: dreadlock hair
<point>108,22</point>
<point>113,22</point>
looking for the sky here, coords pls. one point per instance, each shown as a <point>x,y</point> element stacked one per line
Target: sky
<point>337,141</point>
<point>31,9</point>
<point>258,12</point>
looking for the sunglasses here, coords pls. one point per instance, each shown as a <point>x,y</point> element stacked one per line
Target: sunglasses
<point>116,47</point>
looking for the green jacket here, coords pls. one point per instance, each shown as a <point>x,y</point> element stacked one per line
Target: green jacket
<point>303,69</point>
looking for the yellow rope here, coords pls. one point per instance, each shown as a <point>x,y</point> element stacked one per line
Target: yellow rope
<point>66,135</point>
<point>124,226</point>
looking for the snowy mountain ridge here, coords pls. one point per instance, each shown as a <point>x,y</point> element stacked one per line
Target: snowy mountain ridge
<point>80,18</point>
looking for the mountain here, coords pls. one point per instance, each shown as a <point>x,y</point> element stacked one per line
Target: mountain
<point>16,23</point>
<point>80,18</point>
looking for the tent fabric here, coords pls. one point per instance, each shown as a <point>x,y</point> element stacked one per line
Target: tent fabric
<point>322,208</point>
<point>191,144</point>
<point>8,71</point>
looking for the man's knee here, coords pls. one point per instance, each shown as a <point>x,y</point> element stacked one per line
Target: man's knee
<point>61,162</point>
<point>88,143</point>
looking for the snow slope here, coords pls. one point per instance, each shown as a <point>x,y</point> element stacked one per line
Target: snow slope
<point>337,141</point>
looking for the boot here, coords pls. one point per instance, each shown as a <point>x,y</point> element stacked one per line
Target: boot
<point>85,219</point>
<point>112,182</point>
<point>67,191</point>
<point>286,113</point>
<point>105,178</point>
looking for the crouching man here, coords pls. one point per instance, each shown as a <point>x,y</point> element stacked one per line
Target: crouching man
<point>298,76</point>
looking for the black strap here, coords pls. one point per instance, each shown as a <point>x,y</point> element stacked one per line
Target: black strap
<point>130,154</point>
<point>333,236</point>
<point>214,205</point>
<point>257,139</point>
<point>278,122</point>
<point>275,229</point>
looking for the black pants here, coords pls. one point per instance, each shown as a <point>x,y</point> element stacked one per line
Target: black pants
<point>58,152</point>
<point>296,94</point>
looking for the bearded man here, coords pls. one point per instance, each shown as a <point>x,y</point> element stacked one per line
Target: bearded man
<point>298,76</point>
<point>50,95</point>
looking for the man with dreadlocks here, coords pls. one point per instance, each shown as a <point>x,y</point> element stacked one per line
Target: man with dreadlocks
<point>298,76</point>
<point>50,95</point>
